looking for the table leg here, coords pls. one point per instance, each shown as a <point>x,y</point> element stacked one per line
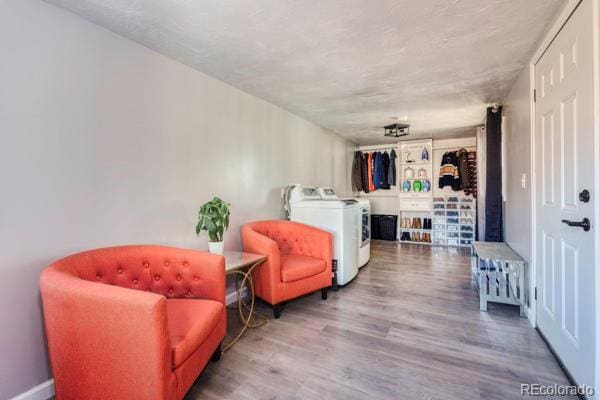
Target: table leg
<point>483,290</point>
<point>243,306</point>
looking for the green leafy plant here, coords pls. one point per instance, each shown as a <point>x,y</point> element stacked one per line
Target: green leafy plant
<point>213,218</point>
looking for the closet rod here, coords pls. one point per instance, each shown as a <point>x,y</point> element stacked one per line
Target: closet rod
<point>375,147</point>
<point>455,148</point>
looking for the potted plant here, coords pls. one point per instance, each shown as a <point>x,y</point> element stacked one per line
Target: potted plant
<point>213,218</point>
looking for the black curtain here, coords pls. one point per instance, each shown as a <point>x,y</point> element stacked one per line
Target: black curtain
<point>493,174</point>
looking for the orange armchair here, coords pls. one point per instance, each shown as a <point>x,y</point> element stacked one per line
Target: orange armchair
<point>132,322</point>
<point>299,260</point>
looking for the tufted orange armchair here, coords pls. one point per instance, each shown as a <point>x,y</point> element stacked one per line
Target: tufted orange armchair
<point>132,322</point>
<point>300,259</point>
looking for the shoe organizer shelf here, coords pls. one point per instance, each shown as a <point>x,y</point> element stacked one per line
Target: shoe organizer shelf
<point>415,182</point>
<point>453,220</point>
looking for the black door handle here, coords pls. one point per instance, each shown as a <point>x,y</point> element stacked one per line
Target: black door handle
<point>585,224</point>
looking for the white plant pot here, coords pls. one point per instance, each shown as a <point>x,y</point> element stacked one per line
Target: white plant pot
<point>215,247</point>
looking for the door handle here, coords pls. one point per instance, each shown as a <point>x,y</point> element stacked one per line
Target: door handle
<point>585,224</point>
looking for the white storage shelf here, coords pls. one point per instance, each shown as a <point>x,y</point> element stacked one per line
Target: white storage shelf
<point>453,220</point>
<point>413,167</point>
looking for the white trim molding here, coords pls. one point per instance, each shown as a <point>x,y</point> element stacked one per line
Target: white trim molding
<point>548,38</point>
<point>43,391</point>
<point>596,189</point>
<point>559,22</point>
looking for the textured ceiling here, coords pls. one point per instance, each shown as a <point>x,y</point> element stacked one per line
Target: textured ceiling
<point>347,65</point>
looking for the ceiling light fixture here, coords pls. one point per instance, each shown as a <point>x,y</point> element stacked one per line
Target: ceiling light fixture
<point>396,130</point>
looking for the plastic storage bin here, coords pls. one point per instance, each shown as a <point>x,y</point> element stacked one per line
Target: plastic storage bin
<point>439,220</point>
<point>384,227</point>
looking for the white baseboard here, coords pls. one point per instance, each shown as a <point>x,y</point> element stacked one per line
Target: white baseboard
<point>43,391</point>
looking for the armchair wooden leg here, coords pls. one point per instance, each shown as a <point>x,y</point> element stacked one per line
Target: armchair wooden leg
<point>324,294</point>
<point>277,308</point>
<point>217,354</point>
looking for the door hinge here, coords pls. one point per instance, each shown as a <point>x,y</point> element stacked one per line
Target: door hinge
<point>535,293</point>
<point>534,95</point>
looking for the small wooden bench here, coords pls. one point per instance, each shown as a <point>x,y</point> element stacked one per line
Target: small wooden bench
<point>499,274</point>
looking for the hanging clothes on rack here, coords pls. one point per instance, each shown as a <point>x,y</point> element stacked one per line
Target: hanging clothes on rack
<point>371,185</point>
<point>373,170</point>
<point>356,173</point>
<point>449,171</point>
<point>463,169</point>
<point>364,172</point>
<point>377,170</point>
<point>391,176</point>
<point>472,161</point>
<point>385,166</point>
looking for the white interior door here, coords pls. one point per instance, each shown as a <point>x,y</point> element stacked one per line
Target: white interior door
<point>564,165</point>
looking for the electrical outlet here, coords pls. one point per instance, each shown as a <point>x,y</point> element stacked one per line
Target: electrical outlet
<point>524,181</point>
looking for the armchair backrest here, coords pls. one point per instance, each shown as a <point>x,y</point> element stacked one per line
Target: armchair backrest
<point>291,237</point>
<point>169,271</point>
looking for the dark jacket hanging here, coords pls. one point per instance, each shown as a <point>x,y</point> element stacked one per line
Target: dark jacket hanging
<point>392,169</point>
<point>449,171</point>
<point>356,169</point>
<point>377,171</point>
<point>364,172</point>
<point>493,176</point>
<point>385,166</point>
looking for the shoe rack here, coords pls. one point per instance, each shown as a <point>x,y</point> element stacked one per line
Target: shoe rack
<point>415,196</point>
<point>453,220</point>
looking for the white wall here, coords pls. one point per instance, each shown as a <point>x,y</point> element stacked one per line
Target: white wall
<point>104,142</point>
<point>517,135</point>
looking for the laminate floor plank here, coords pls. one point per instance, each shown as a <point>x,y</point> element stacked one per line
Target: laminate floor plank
<point>408,327</point>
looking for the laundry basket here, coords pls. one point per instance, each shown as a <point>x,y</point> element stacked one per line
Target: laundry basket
<point>384,227</point>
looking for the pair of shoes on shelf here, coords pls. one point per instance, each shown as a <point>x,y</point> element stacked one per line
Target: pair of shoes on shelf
<point>416,223</point>
<point>427,223</point>
<point>417,237</point>
<point>406,223</point>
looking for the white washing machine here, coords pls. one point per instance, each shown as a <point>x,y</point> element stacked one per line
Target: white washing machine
<point>364,238</point>
<point>340,217</point>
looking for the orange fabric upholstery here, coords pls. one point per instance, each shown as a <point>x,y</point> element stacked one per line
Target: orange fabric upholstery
<point>295,267</point>
<point>190,323</point>
<point>132,322</point>
<point>282,241</point>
